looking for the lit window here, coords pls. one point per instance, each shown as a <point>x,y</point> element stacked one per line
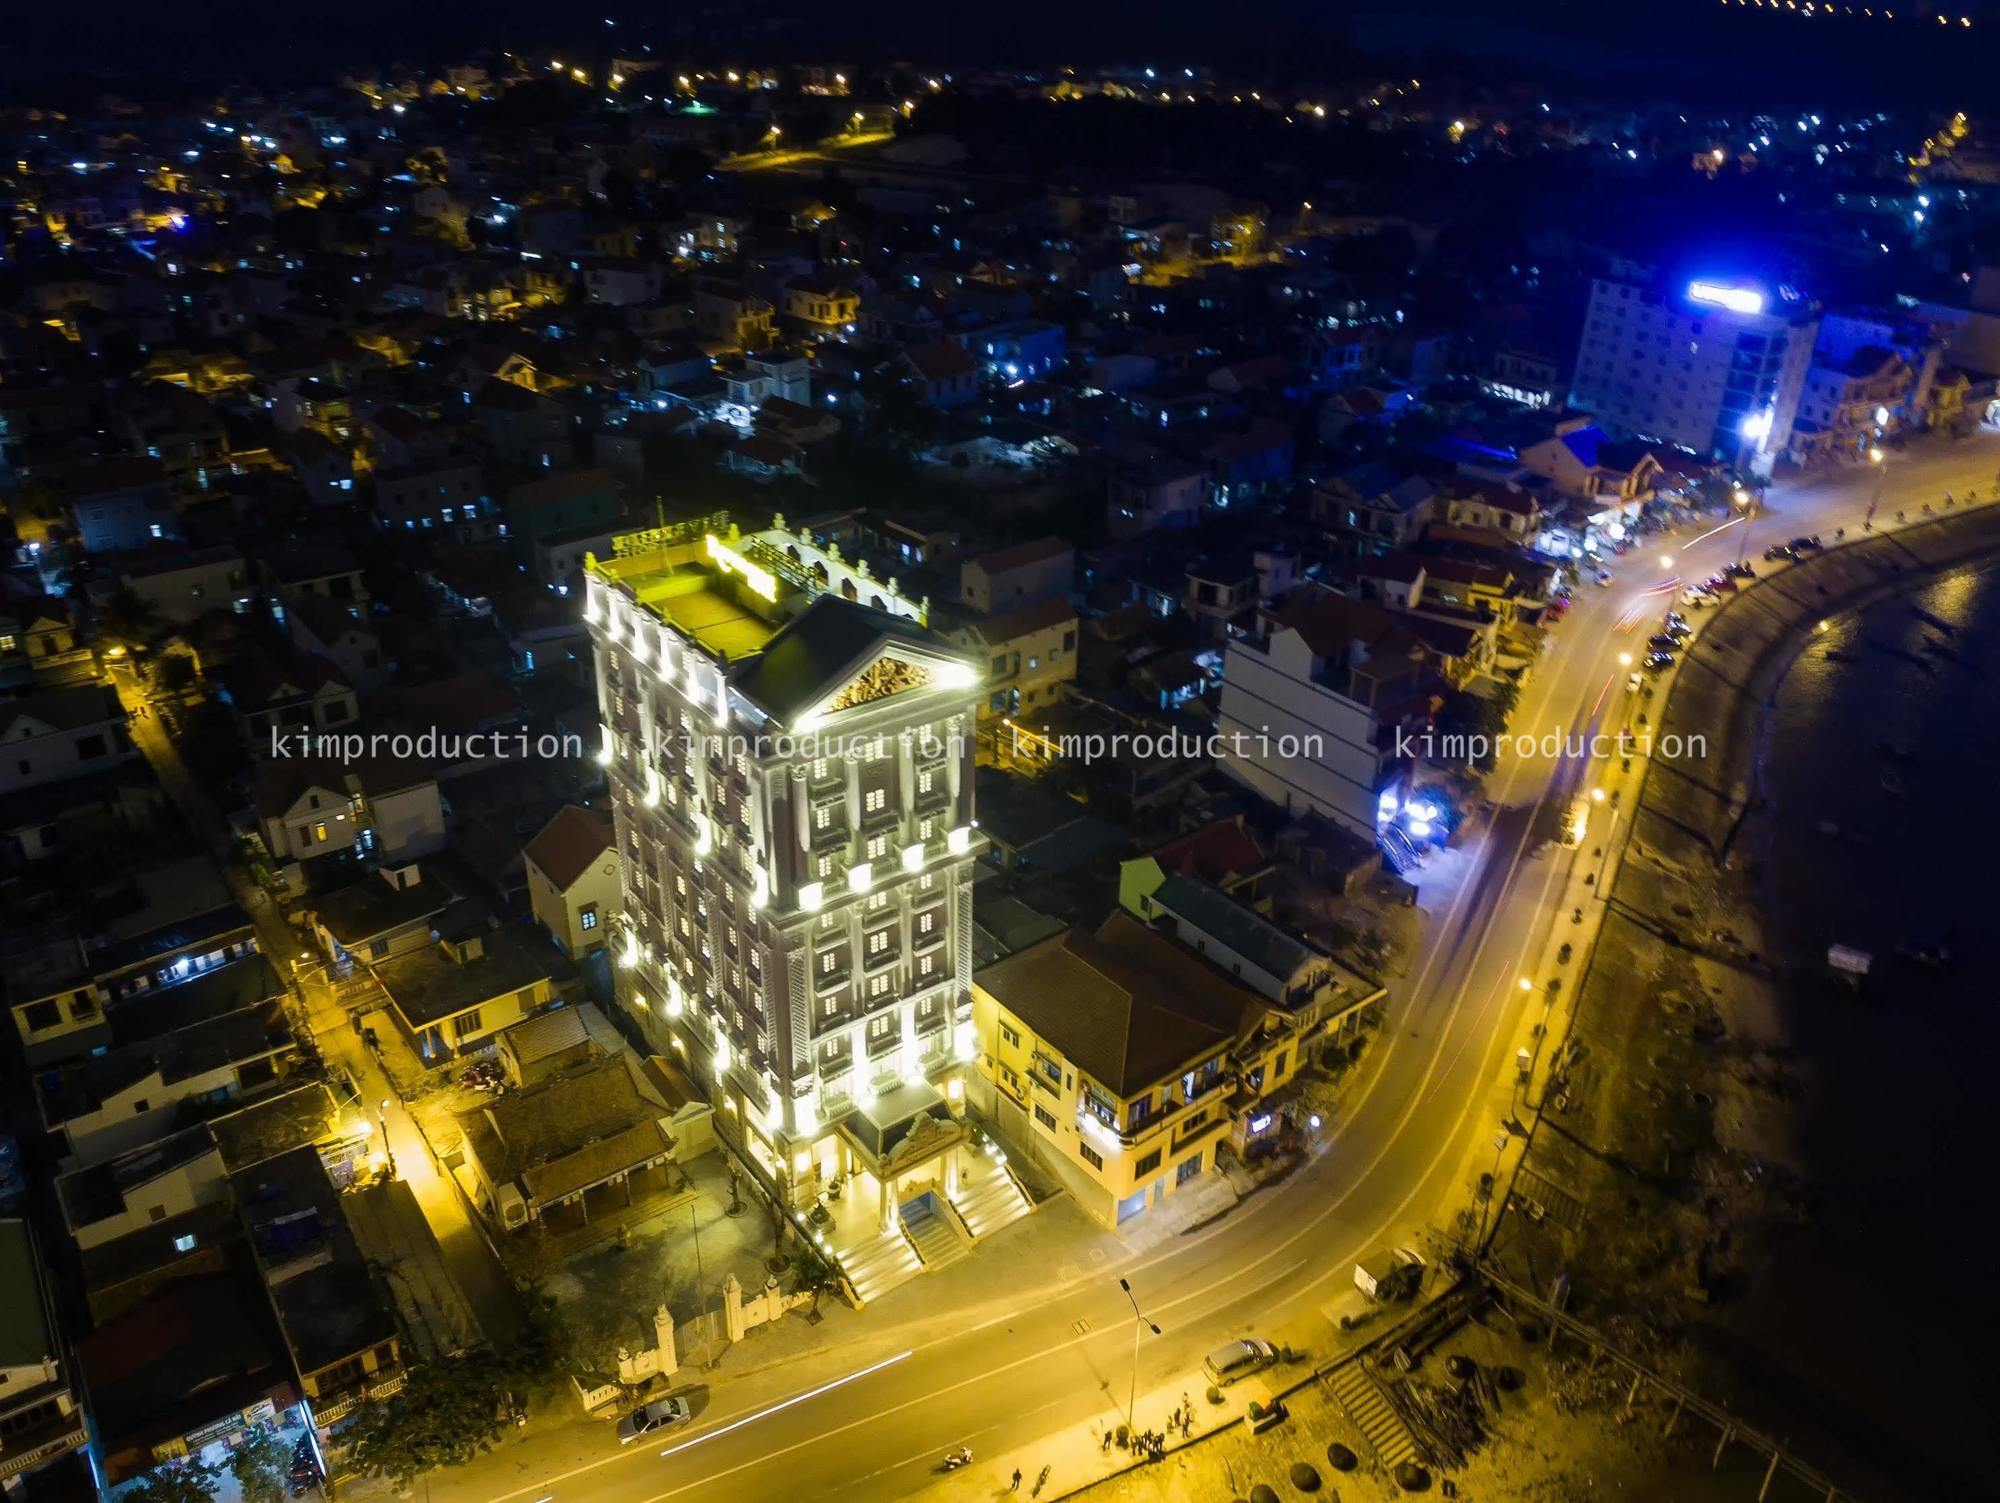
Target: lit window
<point>590,917</point>
<point>877,799</point>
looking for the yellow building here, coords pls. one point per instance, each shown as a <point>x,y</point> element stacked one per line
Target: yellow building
<point>1029,652</point>
<point>1118,1060</point>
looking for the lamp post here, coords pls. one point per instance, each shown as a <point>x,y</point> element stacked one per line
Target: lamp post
<point>1880,460</point>
<point>1140,1325</point>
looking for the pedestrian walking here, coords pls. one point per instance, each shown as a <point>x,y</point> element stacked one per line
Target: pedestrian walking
<point>1015,1485</point>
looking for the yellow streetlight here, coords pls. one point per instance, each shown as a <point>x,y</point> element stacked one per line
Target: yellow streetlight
<point>1667,559</point>
<point>1624,660</point>
<point>1527,985</point>
<point>1875,455</point>
<point>1597,795</point>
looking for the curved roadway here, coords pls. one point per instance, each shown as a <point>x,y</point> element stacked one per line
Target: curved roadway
<point>869,1418</point>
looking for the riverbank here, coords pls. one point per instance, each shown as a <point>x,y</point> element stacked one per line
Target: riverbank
<point>1674,1133</point>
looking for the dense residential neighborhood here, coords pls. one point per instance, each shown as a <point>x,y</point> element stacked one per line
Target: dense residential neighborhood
<point>672,721</point>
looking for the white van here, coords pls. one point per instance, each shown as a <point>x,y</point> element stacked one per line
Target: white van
<point>1228,1364</point>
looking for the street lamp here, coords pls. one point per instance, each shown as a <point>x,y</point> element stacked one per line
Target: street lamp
<point>1624,660</point>
<point>1140,1325</point>
<point>1667,560</point>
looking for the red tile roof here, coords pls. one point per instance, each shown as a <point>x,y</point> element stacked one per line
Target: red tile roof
<point>566,847</point>
<point>1215,853</point>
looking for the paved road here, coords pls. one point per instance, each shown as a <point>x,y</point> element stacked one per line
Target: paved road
<point>869,1419</point>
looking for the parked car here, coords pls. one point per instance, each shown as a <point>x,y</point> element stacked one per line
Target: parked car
<point>1716,584</point>
<point>1232,1363</point>
<point>1676,621</point>
<point>1664,642</point>
<point>1658,661</point>
<point>1778,552</point>
<point>1739,571</point>
<point>650,1419</point>
<point>1804,545</point>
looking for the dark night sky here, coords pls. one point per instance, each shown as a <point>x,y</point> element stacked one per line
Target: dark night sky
<point>1690,45</point>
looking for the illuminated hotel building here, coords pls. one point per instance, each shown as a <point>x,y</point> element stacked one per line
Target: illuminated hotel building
<point>790,757</point>
<point>1715,367</point>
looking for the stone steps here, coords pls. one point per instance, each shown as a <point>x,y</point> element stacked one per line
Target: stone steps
<point>936,1240</point>
<point>990,1202</point>
<point>1370,1411</point>
<point>883,1263</point>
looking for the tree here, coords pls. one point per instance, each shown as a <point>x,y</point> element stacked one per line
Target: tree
<point>189,1481</point>
<point>448,1412</point>
<point>813,1274</point>
<point>260,1466</point>
<point>127,617</point>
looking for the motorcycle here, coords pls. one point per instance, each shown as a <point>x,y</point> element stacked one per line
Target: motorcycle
<point>955,1459</point>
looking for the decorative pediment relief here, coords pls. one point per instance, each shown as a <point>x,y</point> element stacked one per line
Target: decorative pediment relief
<point>884,677</point>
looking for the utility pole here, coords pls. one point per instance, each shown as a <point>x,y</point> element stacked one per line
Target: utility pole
<point>1140,1325</point>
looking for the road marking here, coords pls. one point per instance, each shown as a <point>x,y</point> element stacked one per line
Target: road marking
<point>737,1424</point>
<point>797,1398</point>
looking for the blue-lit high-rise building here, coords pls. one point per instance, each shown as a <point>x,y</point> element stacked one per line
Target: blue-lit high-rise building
<point>1714,366</point>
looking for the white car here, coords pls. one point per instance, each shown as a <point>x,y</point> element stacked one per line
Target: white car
<point>650,1419</point>
<point>1238,1360</point>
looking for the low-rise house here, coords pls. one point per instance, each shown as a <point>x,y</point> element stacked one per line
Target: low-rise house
<point>38,640</point>
<point>274,702</point>
<point>1020,350</point>
<point>731,315</point>
<point>1030,652</point>
<point>454,996</point>
<point>324,469</point>
<point>189,1373</point>
<point>1107,1059</point>
<point>313,567</point>
<point>121,504</point>
<point>182,586</point>
<point>944,374</point>
<point>149,932</point>
<point>763,458</point>
<point>1223,854</point>
<point>166,1178</point>
<point>573,885</point>
<point>563,503</point>
<point>1156,492</point>
<point>338,634</point>
<point>389,912</point>
<point>545,1148</point>
<point>1026,574</point>
<point>795,422</point>
<point>335,1318</point>
<point>1375,506</point>
<point>224,1039</point>
<point>314,809</point>
<point>1505,509</point>
<point>621,281</point>
<point>822,309</point>
<point>54,735</point>
<point>447,493</point>
<point>41,1411</point>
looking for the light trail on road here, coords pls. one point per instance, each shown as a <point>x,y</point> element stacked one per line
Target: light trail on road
<point>797,1398</point>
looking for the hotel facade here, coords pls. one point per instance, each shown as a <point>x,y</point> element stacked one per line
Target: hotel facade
<point>789,750</point>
